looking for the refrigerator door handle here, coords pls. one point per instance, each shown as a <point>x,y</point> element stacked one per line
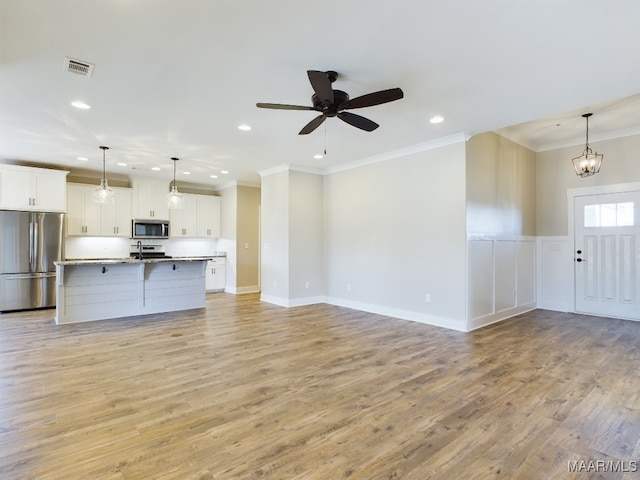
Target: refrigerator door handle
<point>31,244</point>
<point>27,276</point>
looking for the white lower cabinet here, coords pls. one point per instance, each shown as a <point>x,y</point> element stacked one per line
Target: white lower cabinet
<point>216,275</point>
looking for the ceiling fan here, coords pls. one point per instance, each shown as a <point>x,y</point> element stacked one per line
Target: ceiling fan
<point>332,103</point>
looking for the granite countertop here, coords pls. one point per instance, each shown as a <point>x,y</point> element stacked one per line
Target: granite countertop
<point>111,261</point>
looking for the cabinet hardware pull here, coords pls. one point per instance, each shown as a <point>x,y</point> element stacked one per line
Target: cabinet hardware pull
<point>174,266</point>
<point>104,269</point>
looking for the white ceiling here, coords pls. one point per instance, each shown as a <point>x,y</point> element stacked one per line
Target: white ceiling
<point>176,78</point>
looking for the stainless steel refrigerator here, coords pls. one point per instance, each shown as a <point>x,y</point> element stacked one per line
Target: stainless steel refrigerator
<point>29,244</point>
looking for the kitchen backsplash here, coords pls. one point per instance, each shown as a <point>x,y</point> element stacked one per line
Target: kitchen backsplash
<point>116,247</point>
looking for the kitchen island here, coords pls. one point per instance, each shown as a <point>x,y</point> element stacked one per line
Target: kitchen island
<point>88,290</point>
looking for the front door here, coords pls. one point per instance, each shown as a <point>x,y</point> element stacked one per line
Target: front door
<point>607,245</point>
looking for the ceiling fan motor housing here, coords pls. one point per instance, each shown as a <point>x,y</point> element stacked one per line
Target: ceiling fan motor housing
<point>339,99</point>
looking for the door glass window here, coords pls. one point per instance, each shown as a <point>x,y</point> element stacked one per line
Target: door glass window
<point>609,215</point>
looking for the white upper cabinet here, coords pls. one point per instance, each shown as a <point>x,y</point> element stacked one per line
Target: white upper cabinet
<point>88,218</point>
<point>199,217</point>
<point>30,188</point>
<point>208,213</point>
<point>150,200</point>
<point>183,221</point>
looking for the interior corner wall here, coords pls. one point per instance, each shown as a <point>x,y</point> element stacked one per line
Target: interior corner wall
<point>228,233</point>
<point>274,199</point>
<point>395,237</point>
<point>247,239</point>
<point>501,227</point>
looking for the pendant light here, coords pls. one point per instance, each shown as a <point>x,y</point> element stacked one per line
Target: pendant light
<point>174,198</point>
<point>103,193</point>
<point>588,163</point>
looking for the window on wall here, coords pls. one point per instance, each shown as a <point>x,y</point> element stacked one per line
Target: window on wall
<point>609,215</point>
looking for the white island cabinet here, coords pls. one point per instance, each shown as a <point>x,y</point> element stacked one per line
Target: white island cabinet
<point>99,289</point>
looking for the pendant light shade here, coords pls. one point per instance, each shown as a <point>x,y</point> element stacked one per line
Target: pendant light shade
<point>103,193</point>
<point>589,162</point>
<point>174,198</point>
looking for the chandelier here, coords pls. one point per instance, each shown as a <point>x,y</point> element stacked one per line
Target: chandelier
<point>589,162</point>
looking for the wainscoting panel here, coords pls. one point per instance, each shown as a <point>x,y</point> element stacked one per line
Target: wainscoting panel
<point>555,282</point>
<point>501,278</point>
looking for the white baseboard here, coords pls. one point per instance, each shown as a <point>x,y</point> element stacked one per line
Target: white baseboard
<point>292,302</point>
<point>241,290</point>
<point>555,306</point>
<point>444,322</point>
<point>480,322</point>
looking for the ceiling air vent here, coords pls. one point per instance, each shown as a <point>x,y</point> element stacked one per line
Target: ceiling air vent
<point>78,66</point>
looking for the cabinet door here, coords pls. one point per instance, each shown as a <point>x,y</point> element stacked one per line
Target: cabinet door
<point>216,276</point>
<point>123,213</point>
<point>49,192</point>
<point>116,216</point>
<point>208,211</point>
<point>150,200</point>
<point>15,190</point>
<point>83,214</point>
<point>183,220</point>
<point>75,210</point>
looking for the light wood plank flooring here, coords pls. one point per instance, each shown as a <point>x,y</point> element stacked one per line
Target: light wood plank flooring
<point>249,390</point>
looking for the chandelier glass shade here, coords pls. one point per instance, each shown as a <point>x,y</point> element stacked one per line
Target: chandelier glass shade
<point>589,162</point>
<point>103,193</point>
<point>174,197</point>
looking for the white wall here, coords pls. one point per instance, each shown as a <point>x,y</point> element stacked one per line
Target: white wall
<point>306,238</point>
<point>395,232</point>
<point>275,237</point>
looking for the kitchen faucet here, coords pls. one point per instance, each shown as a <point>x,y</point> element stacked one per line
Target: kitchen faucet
<point>139,245</point>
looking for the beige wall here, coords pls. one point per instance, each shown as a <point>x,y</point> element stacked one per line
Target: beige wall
<point>248,236</point>
<point>501,187</point>
<point>555,174</point>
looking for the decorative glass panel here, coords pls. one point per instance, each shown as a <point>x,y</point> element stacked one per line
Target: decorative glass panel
<point>592,216</point>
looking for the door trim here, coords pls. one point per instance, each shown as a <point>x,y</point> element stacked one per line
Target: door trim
<point>572,193</point>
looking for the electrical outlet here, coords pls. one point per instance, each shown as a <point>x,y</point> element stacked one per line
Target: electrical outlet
<point>427,297</point>
<point>306,284</point>
<point>348,287</point>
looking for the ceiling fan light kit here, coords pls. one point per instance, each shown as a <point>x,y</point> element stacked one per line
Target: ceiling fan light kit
<point>589,162</point>
<point>332,103</point>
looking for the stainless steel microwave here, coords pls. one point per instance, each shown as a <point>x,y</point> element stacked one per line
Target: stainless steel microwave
<point>149,228</point>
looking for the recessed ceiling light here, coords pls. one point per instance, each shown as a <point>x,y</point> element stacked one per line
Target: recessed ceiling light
<point>83,159</point>
<point>317,156</point>
<point>437,119</point>
<point>121,164</point>
<point>80,105</point>
<point>186,173</point>
<point>224,171</point>
<point>244,127</point>
<point>155,169</point>
<point>213,176</point>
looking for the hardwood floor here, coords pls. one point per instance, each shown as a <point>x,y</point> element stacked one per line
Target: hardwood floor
<point>249,390</point>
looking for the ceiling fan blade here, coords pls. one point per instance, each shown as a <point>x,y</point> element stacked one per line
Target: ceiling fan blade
<point>375,98</point>
<point>312,125</point>
<point>358,121</point>
<point>321,85</point>
<point>281,106</point>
